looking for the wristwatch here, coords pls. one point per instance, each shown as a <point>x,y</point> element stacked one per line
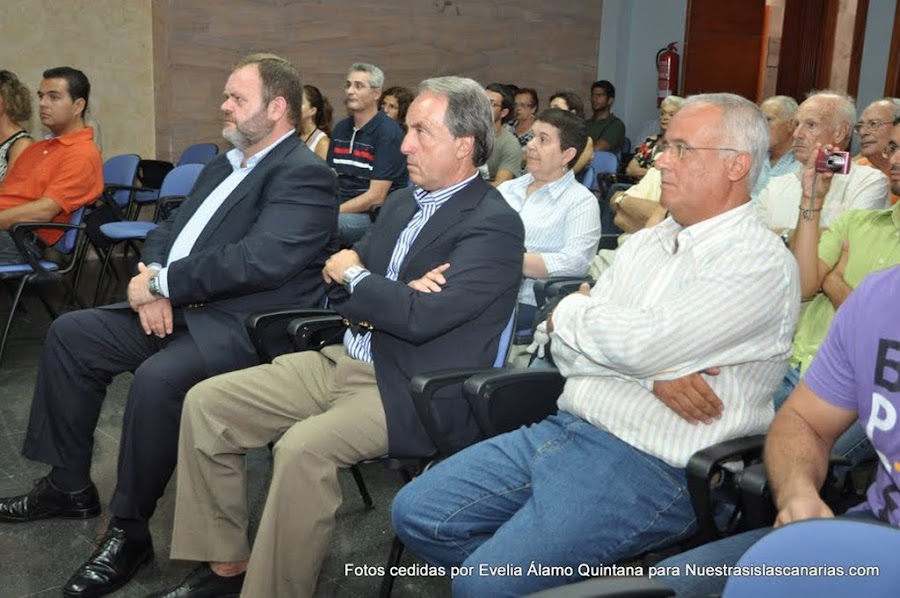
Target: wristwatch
<point>153,286</point>
<point>351,273</point>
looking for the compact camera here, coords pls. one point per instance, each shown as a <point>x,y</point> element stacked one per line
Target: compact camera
<point>836,162</point>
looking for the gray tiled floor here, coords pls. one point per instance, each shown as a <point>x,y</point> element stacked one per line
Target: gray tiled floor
<point>36,559</point>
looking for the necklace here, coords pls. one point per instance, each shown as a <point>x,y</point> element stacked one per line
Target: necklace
<point>308,137</point>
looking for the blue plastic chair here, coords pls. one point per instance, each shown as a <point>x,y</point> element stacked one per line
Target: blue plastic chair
<point>199,153</point>
<point>603,163</point>
<point>177,184</point>
<point>842,542</point>
<point>33,268</point>
<point>119,174</point>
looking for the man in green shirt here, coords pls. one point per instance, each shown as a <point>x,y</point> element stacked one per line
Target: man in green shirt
<point>831,266</point>
<point>605,128</point>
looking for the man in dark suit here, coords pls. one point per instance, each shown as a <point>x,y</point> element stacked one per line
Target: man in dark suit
<point>431,286</point>
<point>253,234</point>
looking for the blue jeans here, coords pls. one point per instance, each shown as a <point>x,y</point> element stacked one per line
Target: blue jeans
<point>352,227</point>
<point>722,552</point>
<point>560,493</point>
<point>853,443</point>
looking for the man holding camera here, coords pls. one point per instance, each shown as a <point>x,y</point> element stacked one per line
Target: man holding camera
<point>825,118</point>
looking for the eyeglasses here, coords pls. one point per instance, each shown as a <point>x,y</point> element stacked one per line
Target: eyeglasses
<point>521,105</point>
<point>870,124</point>
<point>890,149</point>
<point>680,149</point>
<point>357,85</point>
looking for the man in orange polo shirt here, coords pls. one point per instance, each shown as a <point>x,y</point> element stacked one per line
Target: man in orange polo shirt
<point>56,176</point>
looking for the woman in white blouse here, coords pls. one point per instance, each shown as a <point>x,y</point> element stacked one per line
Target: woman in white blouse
<point>561,216</point>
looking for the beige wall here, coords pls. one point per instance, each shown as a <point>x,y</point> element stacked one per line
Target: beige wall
<point>110,40</point>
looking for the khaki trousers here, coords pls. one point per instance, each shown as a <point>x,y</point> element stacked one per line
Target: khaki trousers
<point>325,410</point>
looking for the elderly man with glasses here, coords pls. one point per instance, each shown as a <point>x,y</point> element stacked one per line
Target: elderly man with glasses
<point>365,153</point>
<point>824,118</point>
<point>678,346</point>
<point>874,130</point>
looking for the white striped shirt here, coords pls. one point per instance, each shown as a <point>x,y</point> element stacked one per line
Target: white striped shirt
<point>562,223</point>
<point>359,346</point>
<point>721,293</point>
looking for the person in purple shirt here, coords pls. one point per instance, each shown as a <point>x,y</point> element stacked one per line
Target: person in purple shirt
<point>855,374</point>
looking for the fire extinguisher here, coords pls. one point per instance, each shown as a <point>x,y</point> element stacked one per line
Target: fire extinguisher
<point>667,69</point>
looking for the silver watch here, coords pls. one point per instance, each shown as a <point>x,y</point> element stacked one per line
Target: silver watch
<point>351,273</point>
<point>153,286</point>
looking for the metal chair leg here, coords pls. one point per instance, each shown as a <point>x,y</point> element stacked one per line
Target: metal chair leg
<point>97,293</point>
<point>387,581</point>
<point>361,484</point>
<point>12,312</point>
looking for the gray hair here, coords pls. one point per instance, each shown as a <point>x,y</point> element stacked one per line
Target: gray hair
<point>376,75</point>
<point>743,127</point>
<point>846,106</point>
<point>895,104</point>
<point>673,101</point>
<point>468,112</point>
<point>787,106</point>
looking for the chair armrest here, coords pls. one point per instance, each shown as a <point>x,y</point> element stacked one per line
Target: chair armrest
<point>166,205</point>
<point>705,466</point>
<point>554,286</point>
<point>507,399</point>
<point>314,332</point>
<point>268,330</point>
<point>423,387</point>
<point>29,251</point>
<point>610,587</point>
<point>110,189</point>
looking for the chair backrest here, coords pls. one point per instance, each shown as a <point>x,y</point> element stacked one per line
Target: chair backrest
<point>69,241</point>
<point>199,153</point>
<point>626,146</point>
<point>151,173</point>
<point>180,180</point>
<point>121,170</point>
<point>823,544</point>
<point>506,339</point>
<point>604,162</point>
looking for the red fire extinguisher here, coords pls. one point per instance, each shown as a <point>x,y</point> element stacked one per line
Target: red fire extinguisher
<point>667,68</point>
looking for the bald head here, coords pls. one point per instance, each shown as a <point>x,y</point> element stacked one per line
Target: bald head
<point>874,128</point>
<point>824,118</point>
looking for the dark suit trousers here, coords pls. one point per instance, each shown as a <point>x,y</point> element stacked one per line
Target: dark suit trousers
<point>82,353</point>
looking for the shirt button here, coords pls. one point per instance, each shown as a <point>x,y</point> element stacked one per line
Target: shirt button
<point>881,261</point>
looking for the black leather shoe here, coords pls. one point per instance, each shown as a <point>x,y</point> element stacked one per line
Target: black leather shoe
<point>46,501</point>
<point>202,582</point>
<point>111,566</point>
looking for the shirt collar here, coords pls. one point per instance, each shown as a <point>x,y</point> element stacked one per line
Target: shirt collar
<point>556,189</point>
<point>439,196</point>
<point>82,134</point>
<point>236,156</point>
<point>676,238</point>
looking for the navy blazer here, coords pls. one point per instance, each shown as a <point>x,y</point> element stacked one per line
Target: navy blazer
<point>483,240</point>
<point>263,248</point>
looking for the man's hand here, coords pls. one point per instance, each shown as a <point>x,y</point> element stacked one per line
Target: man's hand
<point>138,288</point>
<point>690,397</point>
<point>803,507</point>
<point>432,281</point>
<point>338,263</point>
<point>823,181</point>
<point>156,317</point>
<point>584,289</point>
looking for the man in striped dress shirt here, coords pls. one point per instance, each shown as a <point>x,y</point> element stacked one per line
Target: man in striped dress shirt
<point>678,346</point>
<point>430,287</point>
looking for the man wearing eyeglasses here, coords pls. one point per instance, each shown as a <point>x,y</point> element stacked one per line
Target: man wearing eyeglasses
<point>824,118</point>
<point>874,130</point>
<point>365,153</point>
<point>678,346</point>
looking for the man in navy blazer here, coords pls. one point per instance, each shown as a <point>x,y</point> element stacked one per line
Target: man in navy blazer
<point>431,286</point>
<point>253,234</point>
